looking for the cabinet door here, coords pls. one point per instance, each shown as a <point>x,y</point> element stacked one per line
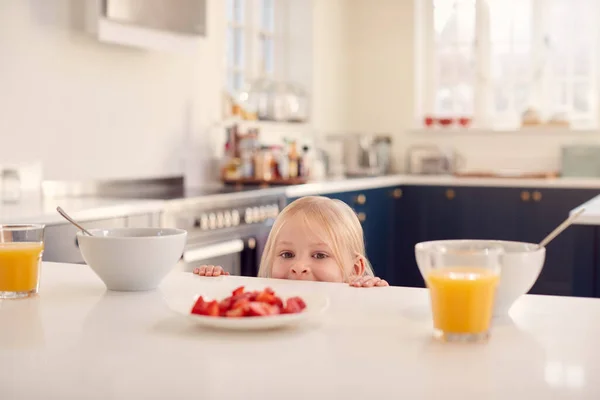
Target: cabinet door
<point>444,212</point>
<point>541,211</point>
<point>409,227</point>
<point>491,213</point>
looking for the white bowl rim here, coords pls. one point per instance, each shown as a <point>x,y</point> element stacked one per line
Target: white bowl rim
<point>169,232</point>
<point>535,247</point>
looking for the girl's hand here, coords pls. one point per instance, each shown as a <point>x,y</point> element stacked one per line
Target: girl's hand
<point>210,270</point>
<point>367,281</point>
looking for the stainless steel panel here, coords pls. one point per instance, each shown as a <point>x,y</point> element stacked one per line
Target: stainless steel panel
<point>183,16</point>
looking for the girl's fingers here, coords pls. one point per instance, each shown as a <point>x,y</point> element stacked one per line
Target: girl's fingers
<point>202,270</point>
<point>218,271</point>
<point>382,283</point>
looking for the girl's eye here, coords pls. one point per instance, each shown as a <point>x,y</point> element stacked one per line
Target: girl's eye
<point>286,254</point>
<point>320,256</point>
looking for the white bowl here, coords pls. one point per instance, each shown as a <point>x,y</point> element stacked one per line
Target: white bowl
<point>132,259</point>
<point>521,267</point>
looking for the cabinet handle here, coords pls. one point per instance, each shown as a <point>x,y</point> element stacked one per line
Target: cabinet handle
<point>361,199</point>
<point>450,194</point>
<point>397,193</point>
<point>537,196</point>
<point>362,217</point>
<point>525,196</point>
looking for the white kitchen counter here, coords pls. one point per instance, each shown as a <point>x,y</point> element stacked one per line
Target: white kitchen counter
<point>77,341</point>
<point>35,209</point>
<point>339,185</point>
<point>591,215</point>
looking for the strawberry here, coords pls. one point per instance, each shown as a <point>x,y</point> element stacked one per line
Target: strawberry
<point>294,305</point>
<point>238,291</point>
<point>212,310</point>
<point>256,309</point>
<point>199,306</point>
<point>236,312</point>
<point>269,298</point>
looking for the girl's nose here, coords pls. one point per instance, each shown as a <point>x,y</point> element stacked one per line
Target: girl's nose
<point>299,270</point>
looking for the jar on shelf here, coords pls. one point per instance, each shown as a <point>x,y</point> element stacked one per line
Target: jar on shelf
<point>298,104</point>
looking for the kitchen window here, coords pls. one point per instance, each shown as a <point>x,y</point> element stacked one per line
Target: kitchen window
<point>493,60</point>
<point>254,40</point>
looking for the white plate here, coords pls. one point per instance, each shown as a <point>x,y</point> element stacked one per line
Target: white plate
<point>315,305</point>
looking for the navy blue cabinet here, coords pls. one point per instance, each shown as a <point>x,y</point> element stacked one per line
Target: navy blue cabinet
<point>395,219</point>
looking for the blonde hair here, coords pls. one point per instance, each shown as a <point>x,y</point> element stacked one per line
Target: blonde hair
<point>333,218</point>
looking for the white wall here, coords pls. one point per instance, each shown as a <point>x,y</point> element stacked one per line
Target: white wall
<point>90,110</point>
<point>381,76</point>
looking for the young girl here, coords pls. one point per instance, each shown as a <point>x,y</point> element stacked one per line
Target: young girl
<point>316,239</point>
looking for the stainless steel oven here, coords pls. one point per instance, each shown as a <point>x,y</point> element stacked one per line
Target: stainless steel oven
<point>228,230</point>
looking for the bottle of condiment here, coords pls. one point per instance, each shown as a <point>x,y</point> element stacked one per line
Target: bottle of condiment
<point>304,166</point>
<point>293,156</point>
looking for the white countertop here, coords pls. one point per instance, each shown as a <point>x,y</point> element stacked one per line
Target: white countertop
<point>35,209</point>
<point>591,215</point>
<point>338,185</point>
<point>77,341</point>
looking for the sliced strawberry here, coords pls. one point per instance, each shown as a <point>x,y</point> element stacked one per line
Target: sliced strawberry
<point>294,305</point>
<point>199,306</point>
<point>269,290</point>
<point>236,313</point>
<point>269,298</point>
<point>241,303</point>
<point>213,309</point>
<point>225,305</point>
<point>256,309</point>
<point>238,291</point>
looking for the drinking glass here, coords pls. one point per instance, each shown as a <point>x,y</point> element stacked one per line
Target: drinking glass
<point>462,280</point>
<point>21,248</point>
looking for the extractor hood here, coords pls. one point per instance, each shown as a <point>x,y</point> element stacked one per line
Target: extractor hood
<point>170,25</point>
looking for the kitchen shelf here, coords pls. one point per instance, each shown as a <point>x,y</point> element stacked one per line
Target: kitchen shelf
<point>517,131</point>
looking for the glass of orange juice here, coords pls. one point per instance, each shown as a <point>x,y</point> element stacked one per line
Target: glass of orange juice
<point>462,281</point>
<point>21,248</point>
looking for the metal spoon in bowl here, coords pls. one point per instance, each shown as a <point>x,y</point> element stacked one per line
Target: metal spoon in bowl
<point>71,220</point>
<point>561,228</point>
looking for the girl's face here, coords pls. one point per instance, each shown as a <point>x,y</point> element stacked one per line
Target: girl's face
<point>302,255</point>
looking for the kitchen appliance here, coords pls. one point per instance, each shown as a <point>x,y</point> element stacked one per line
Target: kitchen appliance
<point>432,160</point>
<point>223,230</point>
<point>365,154</point>
<point>580,161</point>
<point>179,16</point>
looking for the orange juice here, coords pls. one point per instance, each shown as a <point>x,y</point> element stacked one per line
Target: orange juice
<point>19,266</point>
<point>462,299</point>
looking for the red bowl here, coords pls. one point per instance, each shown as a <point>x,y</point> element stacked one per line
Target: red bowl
<point>445,121</point>
<point>465,121</point>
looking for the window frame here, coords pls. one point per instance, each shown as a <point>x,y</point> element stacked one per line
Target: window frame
<point>252,35</point>
<point>484,115</point>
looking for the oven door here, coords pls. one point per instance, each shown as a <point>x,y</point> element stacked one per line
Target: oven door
<point>236,256</point>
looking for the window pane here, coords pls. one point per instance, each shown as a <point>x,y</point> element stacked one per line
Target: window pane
<point>454,21</point>
<point>267,15</point>
<point>238,11</point>
<point>267,56</point>
<point>238,48</point>
<point>238,81</point>
<point>581,97</point>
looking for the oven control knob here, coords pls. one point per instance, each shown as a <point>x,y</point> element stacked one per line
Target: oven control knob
<point>227,219</point>
<point>220,220</point>
<point>204,222</point>
<point>212,220</point>
<point>235,218</point>
<point>257,214</point>
<point>249,216</point>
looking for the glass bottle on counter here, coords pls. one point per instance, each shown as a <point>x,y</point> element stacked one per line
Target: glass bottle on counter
<point>293,156</point>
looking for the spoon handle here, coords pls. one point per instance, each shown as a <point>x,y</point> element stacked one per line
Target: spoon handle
<point>66,216</point>
<point>561,228</point>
